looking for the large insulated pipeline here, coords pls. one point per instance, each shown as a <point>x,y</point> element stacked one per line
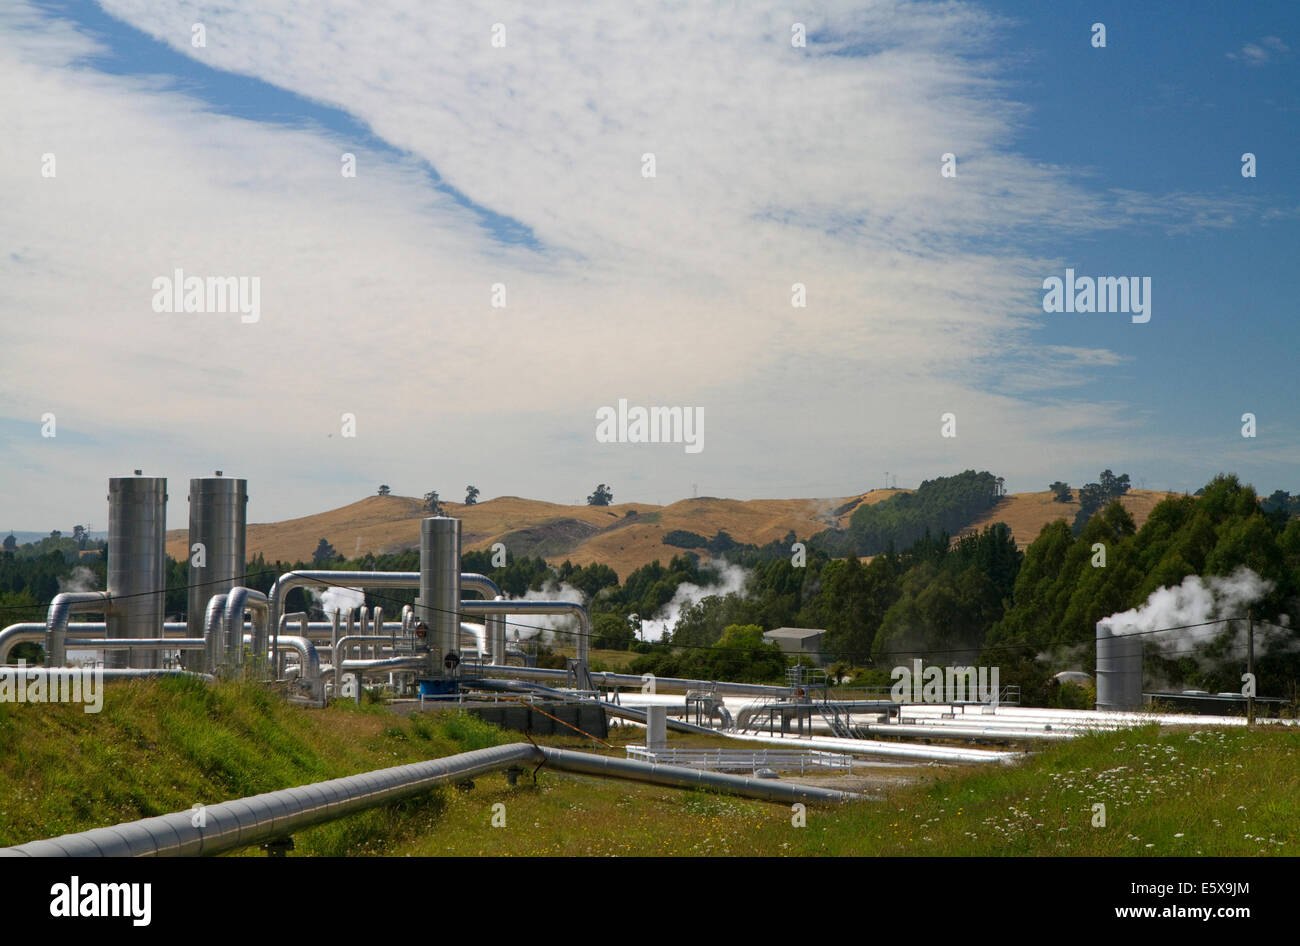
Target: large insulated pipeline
<point>236,824</point>
<point>232,825</point>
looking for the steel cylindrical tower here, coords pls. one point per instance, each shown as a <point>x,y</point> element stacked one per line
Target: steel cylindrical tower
<point>439,604</point>
<point>137,564</point>
<point>218,523</point>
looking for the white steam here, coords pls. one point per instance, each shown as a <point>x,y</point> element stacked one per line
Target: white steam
<point>733,579</point>
<point>544,626</point>
<point>81,579</point>
<point>339,599</point>
<point>1203,602</point>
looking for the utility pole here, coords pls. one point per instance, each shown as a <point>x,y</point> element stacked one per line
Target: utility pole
<point>1250,666</point>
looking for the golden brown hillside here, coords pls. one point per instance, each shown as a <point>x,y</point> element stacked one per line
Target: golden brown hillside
<point>1027,513</point>
<point>625,536</point>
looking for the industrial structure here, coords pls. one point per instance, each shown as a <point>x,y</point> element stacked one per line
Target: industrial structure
<point>451,647</point>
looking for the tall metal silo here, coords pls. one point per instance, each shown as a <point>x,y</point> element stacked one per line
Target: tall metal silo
<point>137,564</point>
<point>439,601</point>
<point>1119,670</point>
<point>218,522</point>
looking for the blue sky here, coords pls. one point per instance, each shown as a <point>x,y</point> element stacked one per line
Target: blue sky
<point>522,166</point>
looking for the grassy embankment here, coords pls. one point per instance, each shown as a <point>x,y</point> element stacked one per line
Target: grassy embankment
<point>163,746</point>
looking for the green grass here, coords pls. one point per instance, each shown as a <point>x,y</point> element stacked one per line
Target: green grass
<point>165,745</point>
<point>1173,792</point>
<point>161,746</point>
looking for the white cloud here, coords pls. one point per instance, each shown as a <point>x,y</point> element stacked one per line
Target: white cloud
<point>775,165</point>
<point>1261,53</point>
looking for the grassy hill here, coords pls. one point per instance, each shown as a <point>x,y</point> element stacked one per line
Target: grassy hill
<point>1026,513</point>
<point>624,536</point>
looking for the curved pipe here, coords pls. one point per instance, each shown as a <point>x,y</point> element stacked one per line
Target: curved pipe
<point>238,601</point>
<point>30,632</point>
<point>213,631</point>
<point>469,581</point>
<point>56,620</point>
<point>303,626</point>
<point>539,607</point>
<point>308,662</point>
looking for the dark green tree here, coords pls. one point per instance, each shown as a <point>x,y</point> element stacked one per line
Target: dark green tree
<point>603,496</point>
<point>324,554</point>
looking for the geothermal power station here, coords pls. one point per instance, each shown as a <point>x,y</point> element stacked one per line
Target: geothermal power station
<point>451,648</point>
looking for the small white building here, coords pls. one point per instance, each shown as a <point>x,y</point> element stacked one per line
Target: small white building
<point>805,642</point>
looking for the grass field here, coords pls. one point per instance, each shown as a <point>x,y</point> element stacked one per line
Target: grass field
<point>165,745</point>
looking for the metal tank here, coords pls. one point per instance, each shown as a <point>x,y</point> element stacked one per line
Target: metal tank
<point>1119,670</point>
<point>137,564</point>
<point>439,601</point>
<point>218,520</point>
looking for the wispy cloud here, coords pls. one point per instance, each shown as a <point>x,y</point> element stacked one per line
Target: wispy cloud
<point>1267,50</point>
<point>775,165</point>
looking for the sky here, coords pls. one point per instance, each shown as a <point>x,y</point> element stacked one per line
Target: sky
<point>500,155</point>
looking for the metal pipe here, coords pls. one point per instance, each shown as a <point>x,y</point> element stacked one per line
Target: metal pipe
<point>237,824</point>
<point>469,581</point>
<point>680,776</point>
<point>611,709</point>
<point>541,607</point>
<point>31,632</point>
<point>247,821</point>
<point>304,625</point>
<point>308,662</point>
<point>144,643</point>
<point>385,664</point>
<point>237,602</point>
<point>56,620</point>
<point>496,634</point>
<point>606,678</point>
<point>213,630</point>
